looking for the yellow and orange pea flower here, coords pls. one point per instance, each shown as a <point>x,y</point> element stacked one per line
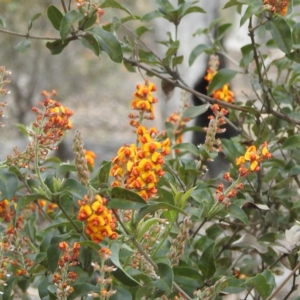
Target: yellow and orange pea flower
<point>90,157</point>
<point>138,166</point>
<point>254,157</point>
<point>100,222</point>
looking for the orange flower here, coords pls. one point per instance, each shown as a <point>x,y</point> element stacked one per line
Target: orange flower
<point>90,157</point>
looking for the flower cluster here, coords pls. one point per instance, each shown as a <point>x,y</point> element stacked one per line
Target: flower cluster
<point>277,6</point>
<point>177,248</point>
<point>15,250</point>
<point>224,93</point>
<point>250,161</point>
<point>89,8</point>
<point>81,162</point>
<point>3,91</point>
<point>143,102</point>
<point>137,167</point>
<point>6,213</point>
<point>63,279</point>
<point>48,129</point>
<point>100,222</point>
<point>104,280</point>
<point>179,123</point>
<point>90,157</point>
<point>212,144</point>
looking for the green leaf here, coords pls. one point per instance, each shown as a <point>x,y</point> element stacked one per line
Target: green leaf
<point>141,30</point>
<point>8,185</point>
<point>126,199</point>
<point>104,171</point>
<point>221,78</point>
<point>35,17</point>
<point>91,43</point>
<point>67,21</point>
<point>91,245</point>
<point>108,43</point>
<point>281,33</point>
<point>150,209</point>
<point>207,263</point>
<point>236,212</point>
<point>194,9</point>
<point>151,15</point>
<point>121,293</point>
<point>2,22</point>
<point>189,279</point>
<point>291,142</point>
<point>120,273</point>
<point>296,34</point>
<point>115,4</point>
<point>74,187</point>
<point>295,56</point>
<point>189,147</point>
<point>164,283</point>
<point>88,22</point>
<point>23,46</point>
<point>177,60</point>
<point>82,289</point>
<point>195,111</point>
<point>197,51</point>
<point>231,3</point>
<point>55,16</point>
<point>260,283</point>
<point>57,47</point>
<point>53,253</point>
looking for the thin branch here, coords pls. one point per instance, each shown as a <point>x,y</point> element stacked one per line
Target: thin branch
<point>284,282</point>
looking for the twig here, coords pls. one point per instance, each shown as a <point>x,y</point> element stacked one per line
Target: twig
<point>284,282</point>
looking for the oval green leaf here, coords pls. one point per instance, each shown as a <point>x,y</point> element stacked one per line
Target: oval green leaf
<point>195,111</point>
<point>55,16</point>
<point>108,43</point>
<point>281,33</point>
<point>8,185</point>
<point>68,20</point>
<point>221,78</point>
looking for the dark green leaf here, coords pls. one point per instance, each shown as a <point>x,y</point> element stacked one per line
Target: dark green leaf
<point>23,45</point>
<point>74,187</point>
<point>2,22</point>
<point>151,15</point>
<point>164,283</point>
<point>295,55</point>
<point>115,4</point>
<point>108,43</point>
<point>150,209</point>
<point>120,273</point>
<point>55,16</point>
<point>129,66</point>
<point>177,60</point>
<point>221,78</point>
<point>91,244</point>
<point>260,283</point>
<point>231,3</point>
<point>189,147</point>
<point>88,22</point>
<point>68,20</point>
<point>197,51</point>
<point>195,111</point>
<point>141,30</point>
<point>126,199</point>
<point>121,293</point>
<point>291,142</point>
<point>189,279</point>
<point>207,263</point>
<point>8,185</point>
<point>104,171</point>
<point>57,46</point>
<point>281,33</point>
<point>42,287</point>
<point>296,34</point>
<point>91,43</point>
<point>35,17</point>
<point>194,9</point>
<point>53,254</point>
<point>238,213</point>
